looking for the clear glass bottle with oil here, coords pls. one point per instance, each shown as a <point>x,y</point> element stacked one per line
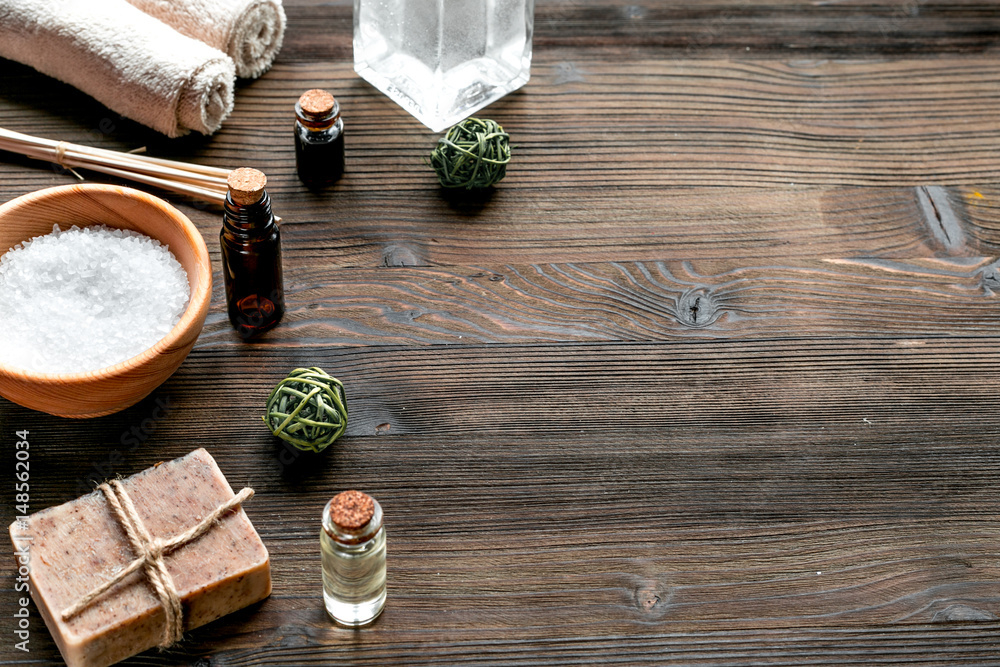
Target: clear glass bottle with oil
<point>352,543</point>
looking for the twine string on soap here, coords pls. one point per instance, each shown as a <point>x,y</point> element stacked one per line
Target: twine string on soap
<point>150,552</point>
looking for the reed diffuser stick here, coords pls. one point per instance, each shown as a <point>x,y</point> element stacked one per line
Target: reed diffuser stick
<point>198,181</point>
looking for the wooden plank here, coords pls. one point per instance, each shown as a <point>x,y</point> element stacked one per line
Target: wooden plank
<point>652,123</point>
<point>882,389</point>
<point>901,382</point>
<point>953,643</point>
<point>625,301</point>
<point>673,29</point>
<point>422,228</point>
<point>540,493</point>
<point>631,194</point>
<point>679,122</point>
<point>750,225</point>
<point>625,409</point>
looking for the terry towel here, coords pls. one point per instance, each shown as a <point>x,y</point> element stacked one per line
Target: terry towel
<point>250,31</point>
<point>127,60</point>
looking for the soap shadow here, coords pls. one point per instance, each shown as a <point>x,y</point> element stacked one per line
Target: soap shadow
<point>200,647</point>
<point>71,457</point>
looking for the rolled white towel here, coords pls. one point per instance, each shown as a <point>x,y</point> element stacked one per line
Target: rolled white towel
<point>129,61</point>
<point>250,31</point>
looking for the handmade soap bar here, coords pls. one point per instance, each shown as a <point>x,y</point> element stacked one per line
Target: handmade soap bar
<point>75,547</point>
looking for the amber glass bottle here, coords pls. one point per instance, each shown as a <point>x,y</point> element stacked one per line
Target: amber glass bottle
<point>319,138</point>
<point>251,255</point>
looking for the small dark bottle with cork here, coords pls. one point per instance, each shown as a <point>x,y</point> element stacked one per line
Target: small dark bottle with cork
<point>319,139</point>
<point>251,255</point>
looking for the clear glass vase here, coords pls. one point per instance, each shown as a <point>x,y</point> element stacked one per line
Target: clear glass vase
<point>443,60</point>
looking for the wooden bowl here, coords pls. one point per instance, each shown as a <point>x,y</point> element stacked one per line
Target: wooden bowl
<point>114,388</point>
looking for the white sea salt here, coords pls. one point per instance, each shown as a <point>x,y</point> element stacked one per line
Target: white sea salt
<point>84,299</point>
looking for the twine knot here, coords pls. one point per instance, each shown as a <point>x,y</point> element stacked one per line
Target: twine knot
<point>150,552</point>
<point>308,409</point>
<point>155,549</point>
<point>60,158</point>
<point>60,155</point>
<point>473,154</point>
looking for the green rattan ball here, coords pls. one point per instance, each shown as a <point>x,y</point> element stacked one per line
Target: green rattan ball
<point>473,154</point>
<point>307,409</point>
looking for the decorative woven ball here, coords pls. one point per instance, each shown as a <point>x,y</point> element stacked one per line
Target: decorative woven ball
<point>473,154</point>
<point>307,409</point>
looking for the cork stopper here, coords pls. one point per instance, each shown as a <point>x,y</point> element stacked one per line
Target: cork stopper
<point>317,102</point>
<point>246,186</point>
<point>352,510</point>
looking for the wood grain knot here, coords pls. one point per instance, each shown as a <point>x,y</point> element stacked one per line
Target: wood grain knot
<point>697,308</point>
<point>941,216</point>
<point>396,255</point>
<point>652,598</point>
<point>956,613</point>
<point>567,72</point>
<point>633,12</point>
<point>989,278</point>
<point>295,637</point>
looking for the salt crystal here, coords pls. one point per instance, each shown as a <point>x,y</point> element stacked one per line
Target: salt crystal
<point>84,299</point>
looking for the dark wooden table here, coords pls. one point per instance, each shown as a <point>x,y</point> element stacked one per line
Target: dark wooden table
<point>711,378</point>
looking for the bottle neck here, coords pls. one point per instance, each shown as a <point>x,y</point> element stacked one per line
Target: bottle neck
<point>248,219</point>
<point>317,122</point>
<point>353,537</point>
